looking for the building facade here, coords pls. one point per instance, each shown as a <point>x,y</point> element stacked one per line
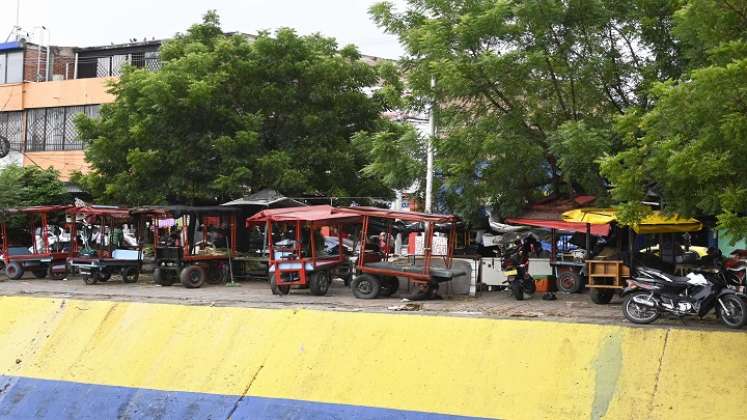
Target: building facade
<point>43,89</point>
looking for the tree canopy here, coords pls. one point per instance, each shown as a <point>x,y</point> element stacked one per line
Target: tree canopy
<point>528,90</point>
<point>30,186</point>
<point>689,147</point>
<point>226,113</point>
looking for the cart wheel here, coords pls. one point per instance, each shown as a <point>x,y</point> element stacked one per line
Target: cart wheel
<point>193,276</point>
<point>278,289</point>
<point>130,274</point>
<point>569,282</point>
<point>57,274</point>
<point>517,289</point>
<point>14,270</point>
<point>90,279</point>
<point>39,273</point>
<point>365,286</point>
<point>319,283</point>
<point>601,296</point>
<point>103,276</point>
<point>389,286</point>
<point>163,277</point>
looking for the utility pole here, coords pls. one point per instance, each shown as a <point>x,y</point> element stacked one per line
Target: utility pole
<point>429,151</point>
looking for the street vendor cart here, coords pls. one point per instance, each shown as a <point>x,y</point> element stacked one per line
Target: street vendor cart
<point>108,244</point>
<point>300,254</point>
<point>379,276</point>
<point>37,239</point>
<point>194,245</point>
<point>608,274</point>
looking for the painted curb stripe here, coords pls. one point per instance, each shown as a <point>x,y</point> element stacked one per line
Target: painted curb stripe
<point>28,398</point>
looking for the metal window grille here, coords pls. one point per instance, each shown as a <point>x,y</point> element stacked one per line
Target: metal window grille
<point>118,62</point>
<point>10,128</point>
<point>55,136</point>
<point>50,129</point>
<point>36,130</point>
<point>103,67</point>
<point>72,140</point>
<point>152,61</point>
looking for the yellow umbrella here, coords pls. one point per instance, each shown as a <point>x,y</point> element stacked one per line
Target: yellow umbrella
<point>655,222</point>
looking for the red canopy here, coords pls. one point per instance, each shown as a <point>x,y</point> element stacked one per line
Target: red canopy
<point>39,209</point>
<point>596,230</point>
<point>322,213</point>
<point>116,212</point>
<point>410,216</point>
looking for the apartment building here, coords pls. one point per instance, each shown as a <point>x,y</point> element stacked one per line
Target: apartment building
<point>42,89</point>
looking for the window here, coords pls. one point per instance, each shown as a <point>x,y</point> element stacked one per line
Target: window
<point>50,129</point>
<point>2,68</point>
<point>14,67</point>
<point>10,128</point>
<point>11,67</point>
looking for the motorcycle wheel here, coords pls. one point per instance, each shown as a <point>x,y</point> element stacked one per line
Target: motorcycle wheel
<point>737,316</point>
<point>517,289</point>
<point>637,313</point>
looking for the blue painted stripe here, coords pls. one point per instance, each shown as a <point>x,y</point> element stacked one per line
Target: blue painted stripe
<point>28,398</point>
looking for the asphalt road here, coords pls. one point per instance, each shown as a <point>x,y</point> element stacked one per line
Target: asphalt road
<point>256,294</point>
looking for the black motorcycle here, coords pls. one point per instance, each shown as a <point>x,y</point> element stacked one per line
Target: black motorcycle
<point>651,292</point>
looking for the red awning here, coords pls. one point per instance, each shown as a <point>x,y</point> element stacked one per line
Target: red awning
<point>322,213</point>
<point>409,216</point>
<point>115,212</point>
<point>596,230</point>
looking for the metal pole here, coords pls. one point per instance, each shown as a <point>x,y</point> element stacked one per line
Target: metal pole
<point>49,41</point>
<point>429,152</point>
<point>75,67</point>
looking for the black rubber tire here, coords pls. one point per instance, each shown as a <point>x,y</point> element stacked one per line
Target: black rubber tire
<point>130,274</point>
<point>601,296</point>
<point>57,274</point>
<point>628,301</point>
<point>389,286</point>
<point>14,270</point>
<point>163,277</point>
<point>278,289</point>
<point>39,273</point>
<point>517,289</point>
<point>569,282</point>
<point>365,286</point>
<point>319,282</point>
<point>736,303</point>
<point>193,276</point>
<point>103,276</point>
<point>90,279</point>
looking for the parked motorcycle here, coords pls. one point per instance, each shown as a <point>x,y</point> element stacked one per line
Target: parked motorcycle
<point>651,292</point>
<point>515,267</point>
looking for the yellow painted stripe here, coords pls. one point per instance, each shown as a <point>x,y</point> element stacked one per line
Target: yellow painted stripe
<point>476,367</point>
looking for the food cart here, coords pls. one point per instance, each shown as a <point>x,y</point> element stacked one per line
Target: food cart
<point>379,277</point>
<point>194,245</point>
<point>109,244</point>
<point>36,239</point>
<point>607,275</point>
<point>298,255</point>
<point>568,267</point>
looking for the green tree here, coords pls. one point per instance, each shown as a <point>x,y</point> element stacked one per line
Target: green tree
<point>30,186</point>
<point>689,147</point>
<point>226,113</point>
<point>528,90</point>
